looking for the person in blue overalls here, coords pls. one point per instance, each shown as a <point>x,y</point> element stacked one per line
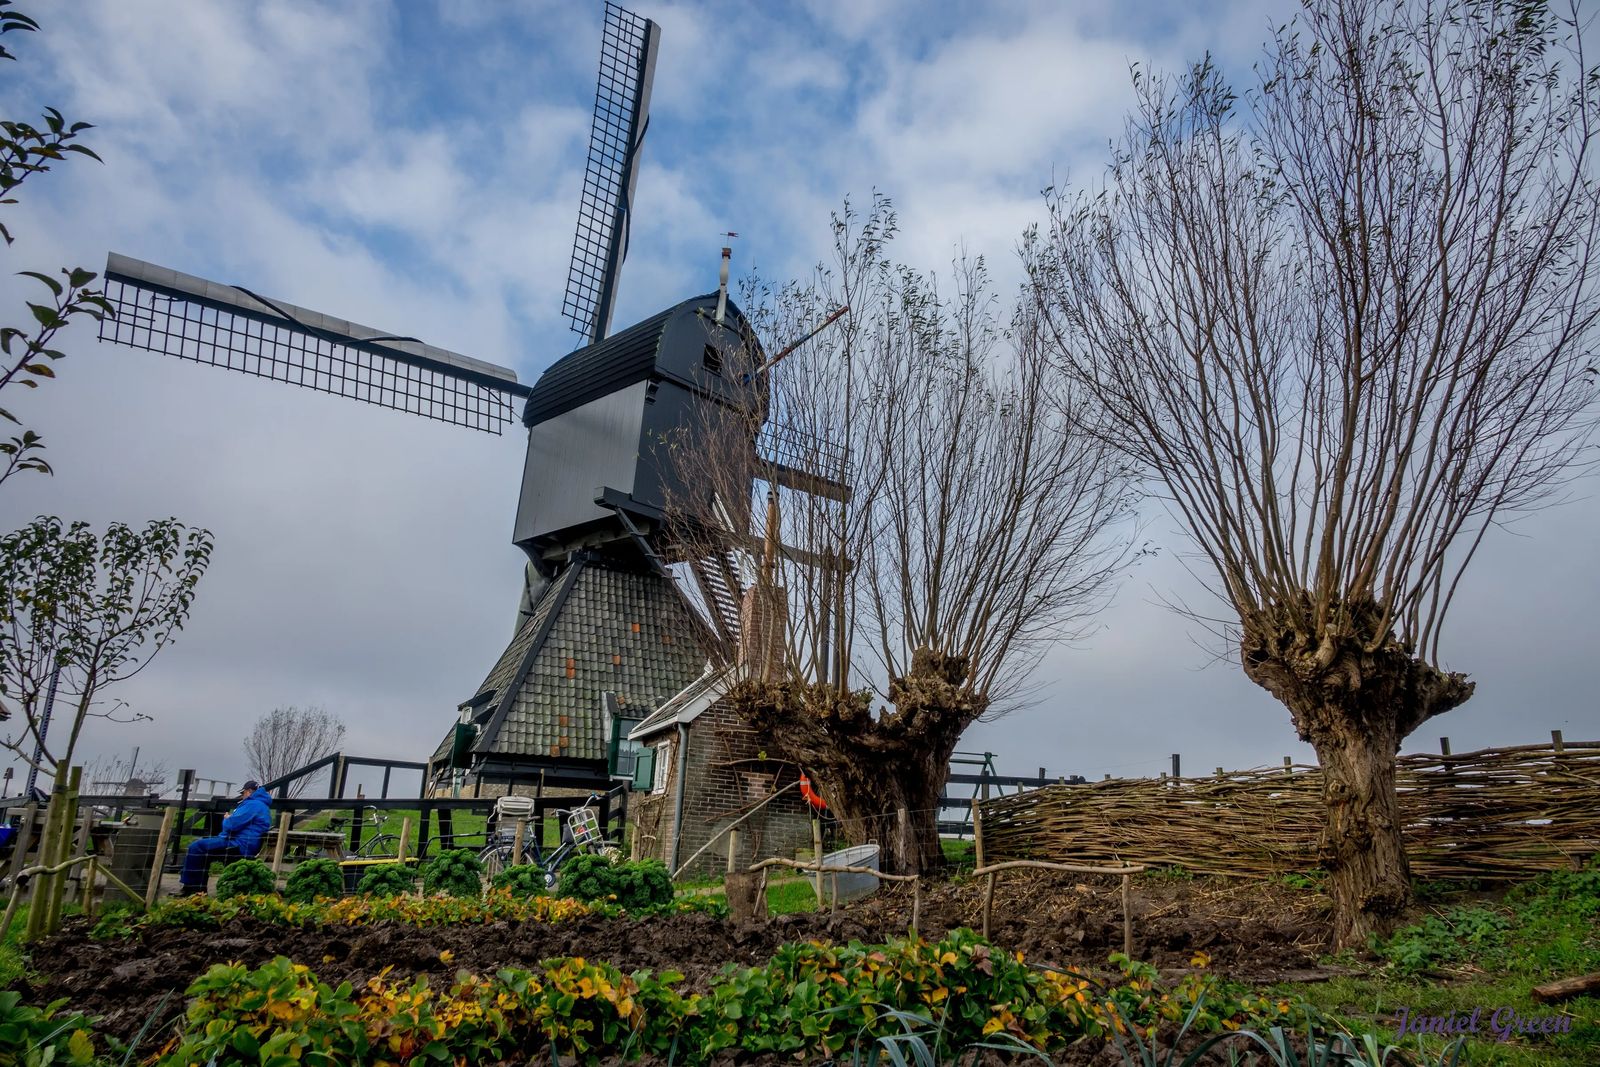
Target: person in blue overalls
<point>242,833</point>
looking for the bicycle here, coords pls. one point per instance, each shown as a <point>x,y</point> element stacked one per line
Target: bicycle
<point>380,845</point>
<point>580,833</point>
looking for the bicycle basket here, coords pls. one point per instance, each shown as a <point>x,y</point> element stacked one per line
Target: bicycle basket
<point>584,824</point>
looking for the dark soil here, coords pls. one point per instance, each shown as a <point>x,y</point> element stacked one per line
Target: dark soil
<point>1251,931</point>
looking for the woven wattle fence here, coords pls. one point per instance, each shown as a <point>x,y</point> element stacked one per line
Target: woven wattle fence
<point>1496,813</point>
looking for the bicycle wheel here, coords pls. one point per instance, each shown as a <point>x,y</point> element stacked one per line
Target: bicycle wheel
<point>381,847</point>
<point>496,858</point>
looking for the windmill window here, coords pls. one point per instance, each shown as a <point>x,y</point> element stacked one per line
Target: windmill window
<point>712,360</point>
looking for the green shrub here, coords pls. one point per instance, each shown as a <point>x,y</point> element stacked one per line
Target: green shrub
<point>387,880</point>
<point>632,885</point>
<point>643,884</point>
<point>525,880</point>
<point>458,872</point>
<point>313,879</point>
<point>245,878</point>
<point>586,877</point>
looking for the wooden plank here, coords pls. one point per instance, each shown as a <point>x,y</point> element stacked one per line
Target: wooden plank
<point>153,887</point>
<point>1567,988</point>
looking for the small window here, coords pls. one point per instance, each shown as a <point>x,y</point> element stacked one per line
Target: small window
<point>712,360</point>
<point>624,753</point>
<point>663,756</point>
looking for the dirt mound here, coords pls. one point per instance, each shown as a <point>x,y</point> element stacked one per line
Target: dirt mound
<point>1250,931</point>
<point>1253,931</point>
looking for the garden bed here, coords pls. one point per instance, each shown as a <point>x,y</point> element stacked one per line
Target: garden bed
<point>1254,932</point>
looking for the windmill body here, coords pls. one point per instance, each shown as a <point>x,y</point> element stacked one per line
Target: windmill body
<point>605,634</point>
<point>606,424</point>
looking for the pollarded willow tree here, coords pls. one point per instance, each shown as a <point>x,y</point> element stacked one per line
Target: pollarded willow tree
<point>1348,326</point>
<point>980,527</point>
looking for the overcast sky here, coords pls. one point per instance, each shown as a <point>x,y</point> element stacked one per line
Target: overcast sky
<point>416,167</point>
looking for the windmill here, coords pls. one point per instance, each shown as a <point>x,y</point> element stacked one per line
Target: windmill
<point>605,631</point>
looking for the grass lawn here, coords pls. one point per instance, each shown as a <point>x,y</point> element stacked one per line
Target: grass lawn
<point>1471,954</point>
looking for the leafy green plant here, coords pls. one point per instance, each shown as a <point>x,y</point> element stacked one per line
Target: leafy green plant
<point>586,877</point>
<point>523,880</point>
<point>1442,939</point>
<point>387,880</point>
<point>313,879</point>
<point>40,1036</point>
<point>245,878</point>
<point>636,886</point>
<point>642,884</point>
<point>1308,880</point>
<point>457,872</point>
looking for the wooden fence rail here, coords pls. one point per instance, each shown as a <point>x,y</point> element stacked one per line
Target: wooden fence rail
<point>1492,814</point>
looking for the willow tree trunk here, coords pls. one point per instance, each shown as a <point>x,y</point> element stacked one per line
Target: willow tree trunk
<point>1362,846</point>
<point>1354,699</point>
<point>882,772</point>
<point>890,798</point>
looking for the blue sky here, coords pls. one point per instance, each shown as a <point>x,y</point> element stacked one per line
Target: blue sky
<point>416,167</point>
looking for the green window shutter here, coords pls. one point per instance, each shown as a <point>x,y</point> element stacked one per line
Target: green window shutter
<point>644,770</point>
<point>461,746</point>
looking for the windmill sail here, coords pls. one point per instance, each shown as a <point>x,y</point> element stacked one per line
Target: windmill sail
<point>163,310</point>
<point>621,114</point>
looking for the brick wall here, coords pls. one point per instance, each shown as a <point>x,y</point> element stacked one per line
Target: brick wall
<point>721,788</point>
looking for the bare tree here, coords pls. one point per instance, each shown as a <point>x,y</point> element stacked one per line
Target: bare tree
<point>980,527</point>
<point>287,739</point>
<point>1347,328</point>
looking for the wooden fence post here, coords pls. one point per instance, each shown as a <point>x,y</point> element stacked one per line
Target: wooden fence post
<point>1127,921</point>
<point>19,853</point>
<point>405,838</point>
<point>39,890</point>
<point>977,834</point>
<point>168,817</point>
<point>517,837</point>
<point>977,823</point>
<point>282,843</point>
<point>89,880</point>
<point>816,856</point>
<point>733,849</point>
<point>988,902</point>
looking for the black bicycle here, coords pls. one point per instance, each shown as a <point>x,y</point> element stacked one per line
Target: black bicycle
<point>580,833</point>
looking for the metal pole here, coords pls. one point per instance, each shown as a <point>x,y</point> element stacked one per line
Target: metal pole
<point>44,728</point>
<point>185,781</point>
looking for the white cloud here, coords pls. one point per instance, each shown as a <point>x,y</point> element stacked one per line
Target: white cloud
<point>417,168</point>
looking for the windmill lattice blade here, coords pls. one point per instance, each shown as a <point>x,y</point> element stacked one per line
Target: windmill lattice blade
<point>794,459</point>
<point>162,310</point>
<point>621,113</point>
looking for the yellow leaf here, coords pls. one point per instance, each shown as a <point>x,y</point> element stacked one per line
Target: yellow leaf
<point>80,1046</point>
<point>991,1026</point>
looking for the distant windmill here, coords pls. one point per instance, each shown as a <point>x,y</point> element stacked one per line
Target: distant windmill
<point>605,634</point>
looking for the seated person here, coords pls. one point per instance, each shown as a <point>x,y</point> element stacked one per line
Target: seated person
<point>242,833</point>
